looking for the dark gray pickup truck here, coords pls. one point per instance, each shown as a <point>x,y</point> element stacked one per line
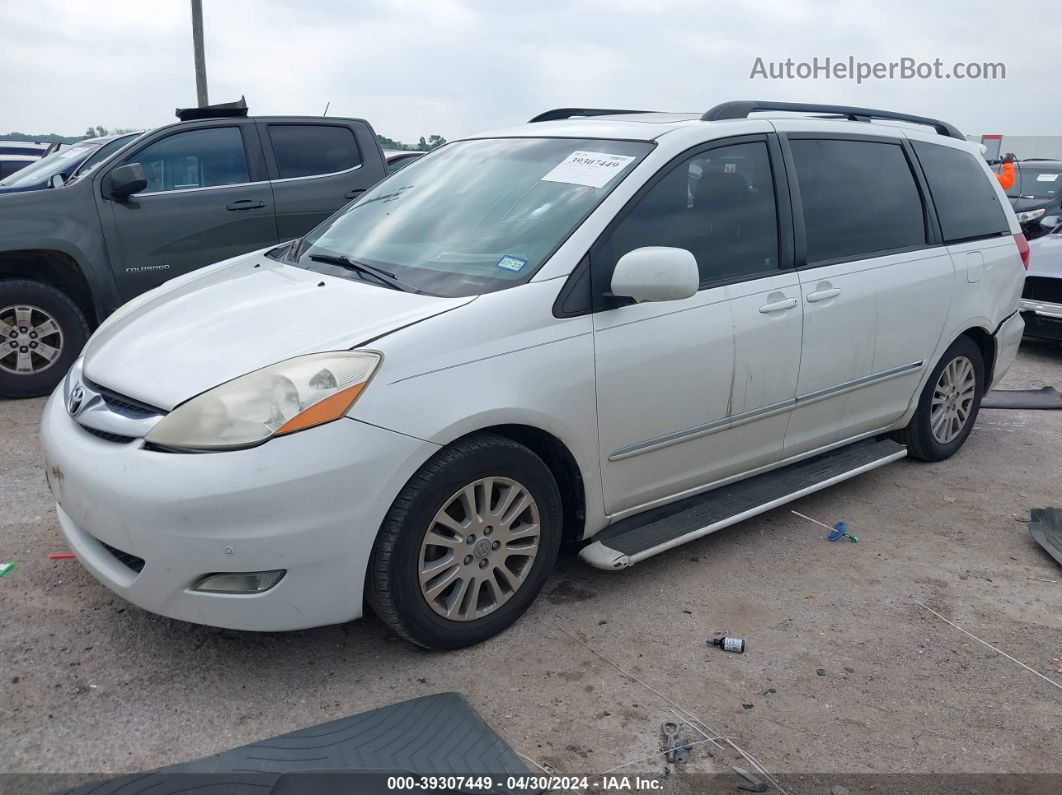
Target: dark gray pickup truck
<point>183,196</point>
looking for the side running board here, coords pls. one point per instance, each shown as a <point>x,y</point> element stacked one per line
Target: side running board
<point>639,537</point>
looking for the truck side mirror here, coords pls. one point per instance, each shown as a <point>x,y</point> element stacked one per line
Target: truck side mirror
<point>126,180</point>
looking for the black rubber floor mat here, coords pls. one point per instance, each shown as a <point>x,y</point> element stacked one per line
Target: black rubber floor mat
<point>1045,525</point>
<point>440,735</point>
<point>1046,398</point>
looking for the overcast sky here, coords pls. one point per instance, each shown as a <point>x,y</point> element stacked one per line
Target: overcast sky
<point>457,66</point>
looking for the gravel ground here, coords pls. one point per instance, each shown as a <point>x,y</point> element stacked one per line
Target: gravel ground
<point>845,673</point>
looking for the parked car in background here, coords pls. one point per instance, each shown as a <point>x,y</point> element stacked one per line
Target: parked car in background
<point>398,159</point>
<point>66,164</point>
<point>1036,193</point>
<point>12,164</point>
<point>185,195</point>
<point>28,148</point>
<point>1041,300</point>
<point>535,335</point>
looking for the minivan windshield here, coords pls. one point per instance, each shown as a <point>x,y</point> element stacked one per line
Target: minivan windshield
<point>472,217</point>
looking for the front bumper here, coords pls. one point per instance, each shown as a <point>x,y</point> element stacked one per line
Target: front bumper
<point>310,503</point>
<point>1043,319</point>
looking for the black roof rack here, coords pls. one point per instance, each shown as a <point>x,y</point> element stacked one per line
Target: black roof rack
<point>222,111</point>
<point>740,109</point>
<point>568,113</point>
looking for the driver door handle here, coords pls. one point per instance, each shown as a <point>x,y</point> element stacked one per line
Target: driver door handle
<point>245,204</point>
<point>823,295</point>
<point>350,194</point>
<point>778,306</point>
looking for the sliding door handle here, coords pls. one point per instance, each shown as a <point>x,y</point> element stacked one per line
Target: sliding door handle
<point>823,295</point>
<point>351,194</point>
<point>778,306</point>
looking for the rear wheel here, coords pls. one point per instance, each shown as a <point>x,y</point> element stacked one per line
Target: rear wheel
<point>41,334</point>
<point>948,405</point>
<point>467,544</point>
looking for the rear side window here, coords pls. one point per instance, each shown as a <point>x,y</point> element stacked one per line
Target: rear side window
<point>194,159</point>
<point>966,200</point>
<point>860,199</point>
<point>303,150</point>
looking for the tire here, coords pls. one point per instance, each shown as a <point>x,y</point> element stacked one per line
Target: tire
<point>41,308</point>
<point>919,436</point>
<point>403,548</point>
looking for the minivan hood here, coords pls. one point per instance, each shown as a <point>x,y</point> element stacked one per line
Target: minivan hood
<point>214,325</point>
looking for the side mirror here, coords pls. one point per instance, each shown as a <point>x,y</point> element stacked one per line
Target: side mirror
<point>57,181</point>
<point>127,180</point>
<point>656,273</point>
<point>1051,222</point>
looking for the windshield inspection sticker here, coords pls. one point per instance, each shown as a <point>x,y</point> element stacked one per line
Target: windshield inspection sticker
<point>511,263</point>
<point>593,169</point>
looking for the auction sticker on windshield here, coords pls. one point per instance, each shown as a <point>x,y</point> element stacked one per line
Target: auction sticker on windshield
<point>593,169</point>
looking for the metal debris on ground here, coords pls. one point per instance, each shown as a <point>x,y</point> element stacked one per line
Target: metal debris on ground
<point>838,531</point>
<point>675,742</point>
<point>1045,525</point>
<point>986,643</point>
<point>1046,398</point>
<point>726,643</point>
<point>753,785</point>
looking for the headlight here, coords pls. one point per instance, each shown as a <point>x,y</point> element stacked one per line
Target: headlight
<point>282,398</point>
<point>1031,215</point>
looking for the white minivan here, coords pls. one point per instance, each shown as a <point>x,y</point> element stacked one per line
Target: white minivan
<point>612,329</point>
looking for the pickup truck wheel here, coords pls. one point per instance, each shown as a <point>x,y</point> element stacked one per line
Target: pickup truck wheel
<point>41,334</point>
<point>948,405</point>
<point>467,545</point>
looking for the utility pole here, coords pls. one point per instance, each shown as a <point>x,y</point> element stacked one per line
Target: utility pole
<point>200,59</point>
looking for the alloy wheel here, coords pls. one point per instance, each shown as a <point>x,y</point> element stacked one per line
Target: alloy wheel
<point>30,340</point>
<point>479,548</point>
<point>953,398</point>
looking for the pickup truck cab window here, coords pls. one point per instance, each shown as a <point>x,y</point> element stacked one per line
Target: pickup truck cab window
<point>304,150</point>
<point>194,159</point>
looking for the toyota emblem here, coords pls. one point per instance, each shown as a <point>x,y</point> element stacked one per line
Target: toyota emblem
<point>77,397</point>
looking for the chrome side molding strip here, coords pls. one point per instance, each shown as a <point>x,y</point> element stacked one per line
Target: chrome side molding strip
<point>724,423</point>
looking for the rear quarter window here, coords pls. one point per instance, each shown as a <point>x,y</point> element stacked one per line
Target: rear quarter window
<point>303,150</point>
<point>966,200</point>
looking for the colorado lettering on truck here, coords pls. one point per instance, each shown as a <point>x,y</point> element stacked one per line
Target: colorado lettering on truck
<point>214,185</point>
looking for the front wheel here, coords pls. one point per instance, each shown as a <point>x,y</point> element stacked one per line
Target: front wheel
<point>948,405</point>
<point>41,334</point>
<point>467,544</point>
